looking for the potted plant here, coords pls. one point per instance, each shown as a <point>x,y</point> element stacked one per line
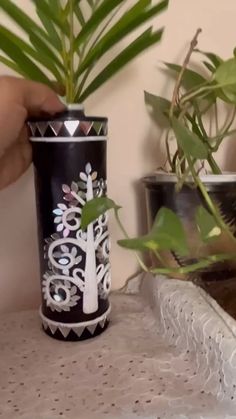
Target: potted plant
<point>198,117</point>
<point>191,203</point>
<point>69,150</point>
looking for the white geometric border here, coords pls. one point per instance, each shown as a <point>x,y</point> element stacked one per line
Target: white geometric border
<point>77,328</point>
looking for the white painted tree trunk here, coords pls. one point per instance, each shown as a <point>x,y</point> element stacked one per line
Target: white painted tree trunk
<point>90,295</point>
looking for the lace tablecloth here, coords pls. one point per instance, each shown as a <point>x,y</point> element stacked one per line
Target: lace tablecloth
<point>170,355</point>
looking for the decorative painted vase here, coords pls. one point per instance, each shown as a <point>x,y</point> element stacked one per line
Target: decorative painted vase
<point>69,157</point>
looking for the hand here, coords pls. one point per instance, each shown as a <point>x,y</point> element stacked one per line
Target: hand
<point>20,99</point>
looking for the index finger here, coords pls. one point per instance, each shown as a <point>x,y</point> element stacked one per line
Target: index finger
<point>34,97</point>
<point>20,99</point>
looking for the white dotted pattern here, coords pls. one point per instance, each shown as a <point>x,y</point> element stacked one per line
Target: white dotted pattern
<point>133,370</point>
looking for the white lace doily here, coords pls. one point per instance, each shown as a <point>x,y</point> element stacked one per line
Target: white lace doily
<point>148,365</point>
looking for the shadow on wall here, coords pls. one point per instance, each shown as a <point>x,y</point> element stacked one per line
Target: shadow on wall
<point>154,155</point>
<point>230,155</point>
<point>19,270</point>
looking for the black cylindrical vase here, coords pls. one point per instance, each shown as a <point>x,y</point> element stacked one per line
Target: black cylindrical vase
<point>69,156</point>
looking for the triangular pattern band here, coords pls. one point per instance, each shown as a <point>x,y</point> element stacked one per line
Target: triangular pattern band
<point>68,128</point>
<point>77,328</point>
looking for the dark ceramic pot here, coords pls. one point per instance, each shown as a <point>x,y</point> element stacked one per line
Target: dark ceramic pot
<point>69,156</point>
<point>160,191</point>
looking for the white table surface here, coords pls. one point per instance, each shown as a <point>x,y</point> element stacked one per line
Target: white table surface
<point>131,371</point>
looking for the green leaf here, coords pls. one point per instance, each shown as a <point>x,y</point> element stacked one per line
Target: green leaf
<point>23,62</point>
<point>188,141</point>
<point>225,74</point>
<point>95,20</point>
<point>27,49</point>
<point>38,36</point>
<point>143,42</point>
<point>169,229</point>
<point>167,234</point>
<point>94,208</point>
<point>159,108</point>
<point>12,65</point>
<point>141,244</point>
<point>190,79</point>
<point>226,95</point>
<point>131,20</point>
<point>22,19</point>
<point>50,29</point>
<point>51,12</point>
<point>79,14</point>
<point>213,58</point>
<point>44,50</point>
<point>198,266</point>
<point>210,67</point>
<point>207,226</point>
<point>90,2</point>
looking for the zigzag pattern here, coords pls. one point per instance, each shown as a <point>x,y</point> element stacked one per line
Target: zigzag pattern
<point>73,128</point>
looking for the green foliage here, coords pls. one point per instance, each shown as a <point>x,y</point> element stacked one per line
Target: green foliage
<point>94,208</point>
<point>159,108</point>
<point>188,141</point>
<point>73,36</point>
<point>167,233</point>
<point>191,79</point>
<point>195,101</point>
<point>185,117</point>
<point>208,228</point>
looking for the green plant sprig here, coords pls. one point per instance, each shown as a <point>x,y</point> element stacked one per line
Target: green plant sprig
<point>167,234</point>
<point>73,36</point>
<point>183,118</point>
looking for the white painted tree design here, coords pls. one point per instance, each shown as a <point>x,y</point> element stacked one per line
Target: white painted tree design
<point>64,278</point>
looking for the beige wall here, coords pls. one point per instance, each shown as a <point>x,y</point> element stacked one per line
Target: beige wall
<point>133,148</point>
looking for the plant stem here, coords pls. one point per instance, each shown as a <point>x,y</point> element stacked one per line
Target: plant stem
<point>213,210</point>
<point>71,92</point>
<point>216,117</point>
<point>203,89</point>
<point>213,165</point>
<point>204,263</point>
<point>193,45</point>
<point>160,258</point>
<point>226,134</point>
<point>168,150</point>
<point>141,263</point>
<point>65,61</point>
<point>211,161</point>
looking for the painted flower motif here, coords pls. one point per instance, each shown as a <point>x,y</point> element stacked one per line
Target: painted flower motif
<point>56,292</point>
<point>65,256</point>
<point>58,212</point>
<point>88,172</point>
<point>71,192</point>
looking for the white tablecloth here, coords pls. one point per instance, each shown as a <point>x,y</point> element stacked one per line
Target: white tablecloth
<point>151,363</point>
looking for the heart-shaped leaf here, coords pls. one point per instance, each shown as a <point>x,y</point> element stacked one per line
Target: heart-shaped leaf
<point>188,141</point>
<point>207,226</point>
<point>167,233</point>
<point>159,108</point>
<point>225,74</point>
<point>94,208</point>
<point>190,78</point>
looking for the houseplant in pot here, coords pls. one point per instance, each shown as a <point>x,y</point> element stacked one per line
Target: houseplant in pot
<point>69,150</point>
<point>198,117</point>
<point>191,204</point>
